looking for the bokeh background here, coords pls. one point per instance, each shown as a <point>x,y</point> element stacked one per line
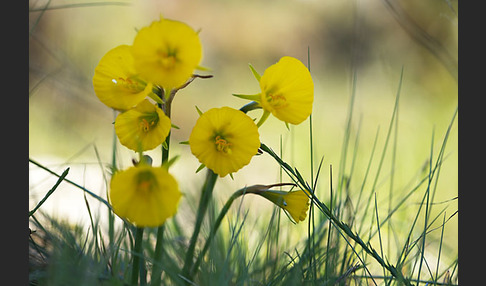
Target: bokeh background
<point>70,127</point>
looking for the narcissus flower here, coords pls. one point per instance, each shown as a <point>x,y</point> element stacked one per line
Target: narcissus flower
<point>167,52</point>
<point>287,90</point>
<point>143,127</point>
<point>224,140</point>
<point>144,195</point>
<point>116,82</point>
<point>295,203</point>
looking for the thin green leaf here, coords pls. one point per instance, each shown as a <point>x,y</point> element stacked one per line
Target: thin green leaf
<point>200,168</point>
<point>252,97</point>
<point>255,73</point>
<point>199,111</point>
<point>49,193</point>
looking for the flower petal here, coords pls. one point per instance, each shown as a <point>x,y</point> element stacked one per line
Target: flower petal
<point>144,195</point>
<point>295,203</point>
<point>143,127</point>
<point>115,80</point>
<point>287,90</point>
<point>224,139</point>
<point>167,52</point>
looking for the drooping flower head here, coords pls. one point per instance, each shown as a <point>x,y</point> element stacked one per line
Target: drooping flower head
<point>115,81</point>
<point>224,140</point>
<point>143,127</point>
<point>144,195</point>
<point>295,203</point>
<point>287,90</point>
<point>167,52</point>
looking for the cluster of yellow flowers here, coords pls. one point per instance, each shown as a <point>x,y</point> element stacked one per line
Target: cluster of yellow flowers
<point>139,82</point>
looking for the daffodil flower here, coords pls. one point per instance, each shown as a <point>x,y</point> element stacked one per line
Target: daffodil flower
<point>295,203</point>
<point>115,81</point>
<point>144,195</point>
<point>287,91</point>
<point>167,52</point>
<point>143,127</point>
<point>224,140</point>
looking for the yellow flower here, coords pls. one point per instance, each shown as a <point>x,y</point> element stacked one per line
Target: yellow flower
<point>224,140</point>
<point>143,127</point>
<point>287,90</point>
<point>115,80</point>
<point>144,195</point>
<point>167,52</point>
<point>295,203</point>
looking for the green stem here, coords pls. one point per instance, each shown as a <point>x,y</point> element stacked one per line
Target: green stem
<point>111,215</point>
<point>217,223</point>
<point>255,189</point>
<point>157,266</point>
<point>250,106</point>
<point>157,269</point>
<point>137,253</point>
<point>207,191</point>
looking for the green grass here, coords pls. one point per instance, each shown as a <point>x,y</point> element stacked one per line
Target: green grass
<point>352,236</point>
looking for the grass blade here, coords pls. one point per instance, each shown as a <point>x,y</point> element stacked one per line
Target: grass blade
<point>385,147</point>
<point>72,183</point>
<point>49,193</point>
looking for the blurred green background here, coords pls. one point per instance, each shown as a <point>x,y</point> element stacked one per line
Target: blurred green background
<point>375,39</point>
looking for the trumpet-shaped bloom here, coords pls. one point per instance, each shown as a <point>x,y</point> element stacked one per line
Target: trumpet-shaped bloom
<point>115,80</point>
<point>224,140</point>
<point>167,52</point>
<point>143,127</point>
<point>295,203</point>
<point>144,195</point>
<point>287,90</point>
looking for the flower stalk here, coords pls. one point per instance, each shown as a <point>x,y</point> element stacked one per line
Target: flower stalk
<point>217,223</point>
<point>137,254</point>
<point>167,95</point>
<point>207,191</point>
<point>157,270</point>
<point>256,189</point>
